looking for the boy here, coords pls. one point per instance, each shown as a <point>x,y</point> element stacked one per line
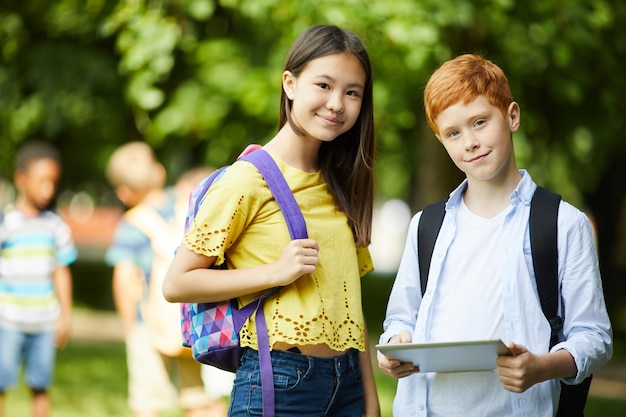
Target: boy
<point>139,180</point>
<point>481,282</point>
<point>35,280</point>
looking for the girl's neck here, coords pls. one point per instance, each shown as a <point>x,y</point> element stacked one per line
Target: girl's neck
<point>296,151</point>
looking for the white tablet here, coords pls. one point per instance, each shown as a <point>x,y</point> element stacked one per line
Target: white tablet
<point>477,355</point>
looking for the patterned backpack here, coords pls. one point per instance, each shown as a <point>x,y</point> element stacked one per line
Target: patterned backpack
<point>212,329</point>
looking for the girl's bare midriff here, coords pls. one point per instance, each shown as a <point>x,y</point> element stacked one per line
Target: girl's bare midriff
<point>320,351</point>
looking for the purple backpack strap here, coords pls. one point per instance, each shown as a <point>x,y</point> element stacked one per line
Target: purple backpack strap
<point>199,192</point>
<point>281,191</point>
<point>297,230</point>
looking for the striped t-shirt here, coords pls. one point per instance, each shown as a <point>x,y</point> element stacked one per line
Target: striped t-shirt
<point>30,249</point>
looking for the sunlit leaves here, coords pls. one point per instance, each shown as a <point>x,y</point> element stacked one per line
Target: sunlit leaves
<point>206,73</point>
<point>582,144</point>
<point>191,110</point>
<point>200,10</point>
<point>12,35</point>
<point>73,17</point>
<point>147,44</point>
<point>25,117</point>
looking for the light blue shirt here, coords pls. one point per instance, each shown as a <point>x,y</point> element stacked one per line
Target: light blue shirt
<point>587,333</point>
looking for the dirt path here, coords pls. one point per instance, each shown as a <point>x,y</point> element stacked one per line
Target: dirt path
<point>96,326</point>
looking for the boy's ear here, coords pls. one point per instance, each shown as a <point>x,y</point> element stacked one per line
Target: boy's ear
<point>159,176</point>
<point>18,179</point>
<point>126,195</point>
<point>513,116</point>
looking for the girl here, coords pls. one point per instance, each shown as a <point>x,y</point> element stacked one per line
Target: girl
<point>325,149</point>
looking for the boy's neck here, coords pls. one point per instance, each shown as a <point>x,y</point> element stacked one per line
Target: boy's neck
<point>154,197</point>
<point>488,198</point>
<point>27,208</point>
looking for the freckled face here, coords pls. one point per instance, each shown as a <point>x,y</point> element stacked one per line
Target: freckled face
<point>327,95</point>
<point>478,137</point>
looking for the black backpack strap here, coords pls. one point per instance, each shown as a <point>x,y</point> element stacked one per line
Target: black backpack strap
<point>544,210</point>
<point>427,231</point>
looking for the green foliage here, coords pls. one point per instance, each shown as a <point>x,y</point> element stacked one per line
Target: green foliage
<point>200,79</point>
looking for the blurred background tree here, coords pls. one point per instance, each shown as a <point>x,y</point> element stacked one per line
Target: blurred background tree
<point>200,79</point>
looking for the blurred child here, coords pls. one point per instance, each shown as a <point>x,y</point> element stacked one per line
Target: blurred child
<point>139,180</point>
<point>35,279</point>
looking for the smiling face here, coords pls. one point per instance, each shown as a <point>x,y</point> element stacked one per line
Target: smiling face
<point>326,95</point>
<point>478,138</point>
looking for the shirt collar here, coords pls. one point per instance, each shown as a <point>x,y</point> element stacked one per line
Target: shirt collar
<point>525,189</point>
<point>523,192</point>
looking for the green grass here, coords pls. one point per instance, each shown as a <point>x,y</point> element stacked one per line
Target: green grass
<point>91,380</point>
<point>605,407</point>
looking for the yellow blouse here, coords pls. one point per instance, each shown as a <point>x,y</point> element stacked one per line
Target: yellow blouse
<point>240,222</point>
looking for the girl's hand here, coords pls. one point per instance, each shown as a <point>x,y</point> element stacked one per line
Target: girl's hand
<point>299,257</point>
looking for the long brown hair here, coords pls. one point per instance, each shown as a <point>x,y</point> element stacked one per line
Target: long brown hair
<point>347,162</point>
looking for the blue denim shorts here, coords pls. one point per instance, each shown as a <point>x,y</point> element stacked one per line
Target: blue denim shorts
<point>36,350</point>
<point>304,385</point>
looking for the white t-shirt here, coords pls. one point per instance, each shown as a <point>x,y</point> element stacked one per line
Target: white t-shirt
<point>468,306</point>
